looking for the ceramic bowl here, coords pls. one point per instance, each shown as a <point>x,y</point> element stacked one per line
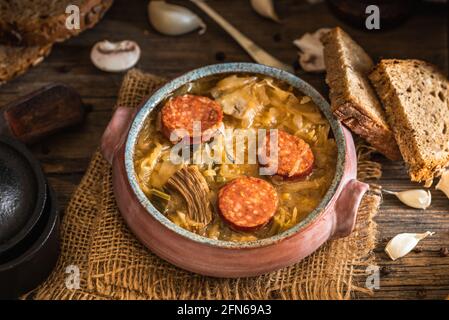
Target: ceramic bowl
<point>333,218</point>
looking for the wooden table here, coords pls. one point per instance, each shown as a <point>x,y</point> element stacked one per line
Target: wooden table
<point>423,274</point>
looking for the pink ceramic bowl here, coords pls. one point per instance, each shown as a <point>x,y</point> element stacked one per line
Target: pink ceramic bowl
<point>333,218</point>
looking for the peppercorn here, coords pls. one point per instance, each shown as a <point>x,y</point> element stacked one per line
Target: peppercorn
<point>220,56</point>
<point>277,37</point>
<point>444,252</point>
<point>385,270</point>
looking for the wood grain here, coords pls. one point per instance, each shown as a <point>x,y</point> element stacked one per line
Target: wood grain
<point>65,156</point>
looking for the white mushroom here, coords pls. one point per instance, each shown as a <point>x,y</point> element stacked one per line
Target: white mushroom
<point>310,47</point>
<point>173,20</point>
<point>115,56</point>
<point>443,184</point>
<point>265,8</point>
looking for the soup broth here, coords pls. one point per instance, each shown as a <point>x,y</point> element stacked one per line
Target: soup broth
<point>248,101</point>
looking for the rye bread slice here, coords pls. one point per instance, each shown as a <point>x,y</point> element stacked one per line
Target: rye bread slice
<point>16,60</point>
<point>353,99</point>
<point>29,23</point>
<point>415,95</point>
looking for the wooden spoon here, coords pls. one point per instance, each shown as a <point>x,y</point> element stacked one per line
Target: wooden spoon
<point>257,53</point>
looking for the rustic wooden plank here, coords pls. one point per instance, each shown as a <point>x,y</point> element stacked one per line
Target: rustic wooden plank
<point>66,155</point>
<point>64,185</point>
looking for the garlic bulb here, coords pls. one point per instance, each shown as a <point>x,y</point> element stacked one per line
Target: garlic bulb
<point>443,184</point>
<point>173,20</point>
<point>418,199</point>
<point>403,243</point>
<point>115,56</point>
<point>265,8</point>
<point>311,57</point>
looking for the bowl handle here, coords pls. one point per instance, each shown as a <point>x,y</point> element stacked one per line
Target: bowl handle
<point>346,208</point>
<point>115,131</point>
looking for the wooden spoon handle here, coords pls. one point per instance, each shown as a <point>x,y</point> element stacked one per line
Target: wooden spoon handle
<point>257,53</point>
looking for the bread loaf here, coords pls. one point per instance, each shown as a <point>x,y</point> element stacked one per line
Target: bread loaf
<point>41,22</point>
<point>16,60</point>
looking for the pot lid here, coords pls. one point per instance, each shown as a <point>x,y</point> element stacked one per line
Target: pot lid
<point>22,193</point>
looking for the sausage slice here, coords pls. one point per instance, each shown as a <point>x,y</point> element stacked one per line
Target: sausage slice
<point>182,111</point>
<point>247,203</point>
<point>294,159</point>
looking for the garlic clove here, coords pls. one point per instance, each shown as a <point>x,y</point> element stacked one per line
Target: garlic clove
<point>443,184</point>
<point>265,8</point>
<point>173,20</point>
<point>311,57</point>
<point>115,56</point>
<point>418,198</point>
<point>403,243</point>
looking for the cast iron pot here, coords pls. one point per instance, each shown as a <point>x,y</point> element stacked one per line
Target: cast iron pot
<point>23,194</point>
<point>28,216</point>
<point>33,262</point>
<point>333,218</point>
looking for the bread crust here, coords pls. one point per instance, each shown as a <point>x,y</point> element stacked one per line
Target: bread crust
<point>16,60</point>
<point>52,29</point>
<point>364,126</point>
<point>347,105</point>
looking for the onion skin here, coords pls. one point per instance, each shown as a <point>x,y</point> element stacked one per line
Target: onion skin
<point>443,184</point>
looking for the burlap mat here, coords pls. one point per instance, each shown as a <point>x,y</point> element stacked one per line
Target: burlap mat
<point>114,265</point>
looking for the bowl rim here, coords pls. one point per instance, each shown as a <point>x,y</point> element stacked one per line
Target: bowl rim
<point>231,68</point>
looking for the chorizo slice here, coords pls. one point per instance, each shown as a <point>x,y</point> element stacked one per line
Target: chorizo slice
<point>295,158</point>
<point>247,203</point>
<point>179,114</point>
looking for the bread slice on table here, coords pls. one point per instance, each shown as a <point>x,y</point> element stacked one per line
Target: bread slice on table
<point>353,99</point>
<point>40,22</point>
<point>16,60</point>
<point>416,96</point>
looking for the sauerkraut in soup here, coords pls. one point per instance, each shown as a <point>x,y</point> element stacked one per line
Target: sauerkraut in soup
<point>222,198</point>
